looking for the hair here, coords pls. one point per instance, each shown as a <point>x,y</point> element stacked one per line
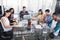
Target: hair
<point>55,14</point>
<point>47,10</point>
<point>5,12</point>
<point>40,10</point>
<point>11,9</point>
<point>24,7</point>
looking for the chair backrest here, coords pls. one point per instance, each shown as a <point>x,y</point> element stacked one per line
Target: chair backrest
<point>3,34</point>
<point>1,28</point>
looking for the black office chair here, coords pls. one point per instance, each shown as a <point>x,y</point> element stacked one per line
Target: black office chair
<point>3,35</point>
<point>1,29</point>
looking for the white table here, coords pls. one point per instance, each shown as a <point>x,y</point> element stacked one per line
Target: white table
<point>21,24</point>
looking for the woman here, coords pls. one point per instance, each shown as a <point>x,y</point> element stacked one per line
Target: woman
<point>7,29</point>
<point>39,15</point>
<point>12,14</point>
<point>11,17</point>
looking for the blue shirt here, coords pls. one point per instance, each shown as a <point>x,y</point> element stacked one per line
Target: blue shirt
<point>48,20</point>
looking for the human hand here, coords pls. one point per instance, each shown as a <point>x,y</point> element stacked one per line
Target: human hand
<point>14,23</point>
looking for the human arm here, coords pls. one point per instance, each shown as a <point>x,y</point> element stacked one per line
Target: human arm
<point>3,22</point>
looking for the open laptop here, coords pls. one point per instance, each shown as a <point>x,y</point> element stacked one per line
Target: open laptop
<point>26,17</point>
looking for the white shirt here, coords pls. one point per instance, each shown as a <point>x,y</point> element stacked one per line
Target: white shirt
<point>7,23</point>
<point>53,24</point>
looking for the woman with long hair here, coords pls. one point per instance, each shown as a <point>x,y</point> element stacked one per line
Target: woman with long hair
<point>7,28</point>
<point>39,15</point>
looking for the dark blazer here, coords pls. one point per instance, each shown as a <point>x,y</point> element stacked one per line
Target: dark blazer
<point>21,14</point>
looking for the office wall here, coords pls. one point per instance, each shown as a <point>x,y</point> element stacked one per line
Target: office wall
<point>10,4</point>
<point>42,4</point>
<point>32,5</point>
<point>0,2</point>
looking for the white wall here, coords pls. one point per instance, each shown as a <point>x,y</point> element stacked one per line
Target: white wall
<point>0,2</point>
<point>11,4</point>
<point>32,5</point>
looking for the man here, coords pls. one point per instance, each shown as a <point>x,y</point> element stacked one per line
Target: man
<point>57,27</point>
<point>23,12</point>
<point>48,17</point>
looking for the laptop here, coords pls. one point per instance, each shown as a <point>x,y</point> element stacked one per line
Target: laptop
<point>26,17</point>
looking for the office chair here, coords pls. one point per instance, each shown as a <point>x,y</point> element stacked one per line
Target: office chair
<point>2,34</point>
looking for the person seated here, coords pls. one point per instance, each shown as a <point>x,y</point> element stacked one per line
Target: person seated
<point>7,28</point>
<point>57,27</point>
<point>23,12</point>
<point>48,17</point>
<point>11,17</point>
<point>39,15</point>
<point>12,14</point>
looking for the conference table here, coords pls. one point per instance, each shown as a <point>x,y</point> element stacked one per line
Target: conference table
<point>20,31</point>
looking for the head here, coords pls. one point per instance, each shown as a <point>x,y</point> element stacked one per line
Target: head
<point>47,11</point>
<point>11,10</point>
<point>7,13</point>
<point>24,8</point>
<point>54,16</point>
<point>40,11</point>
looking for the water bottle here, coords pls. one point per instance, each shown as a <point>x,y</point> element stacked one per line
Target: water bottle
<point>29,24</point>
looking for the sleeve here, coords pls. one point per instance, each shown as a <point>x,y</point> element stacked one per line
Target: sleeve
<point>50,19</point>
<point>20,14</point>
<point>12,16</point>
<point>27,12</point>
<point>36,15</point>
